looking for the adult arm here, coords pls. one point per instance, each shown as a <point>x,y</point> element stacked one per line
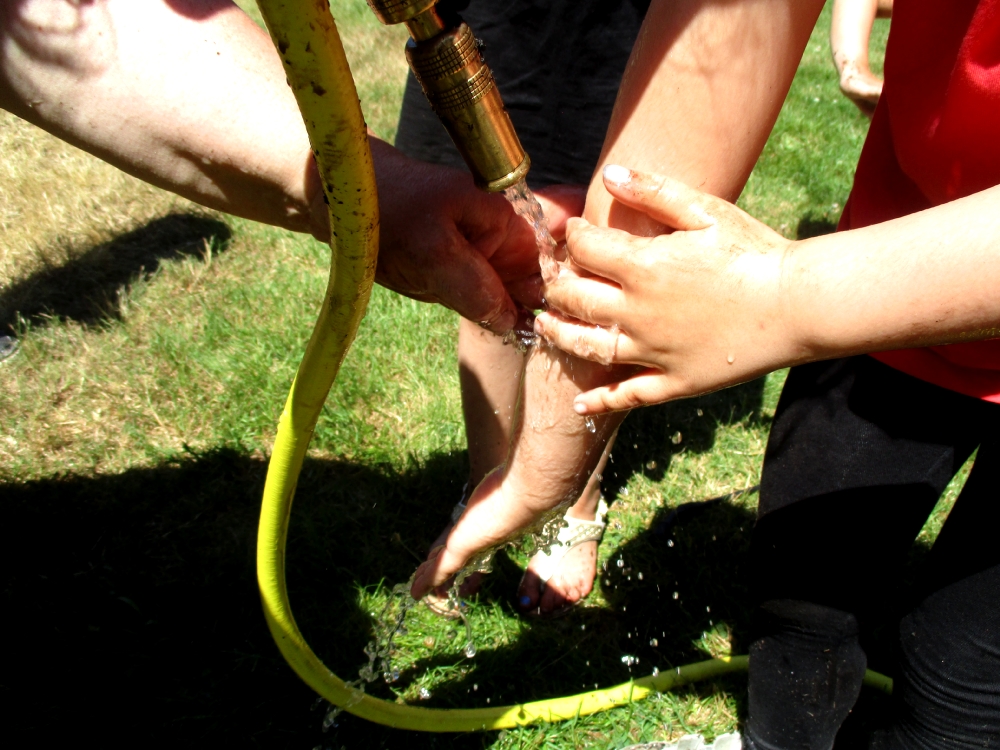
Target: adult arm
<point>700,95</point>
<point>725,299</point>
<point>190,96</point>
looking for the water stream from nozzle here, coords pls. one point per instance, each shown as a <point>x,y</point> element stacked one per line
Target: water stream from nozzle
<point>526,205</point>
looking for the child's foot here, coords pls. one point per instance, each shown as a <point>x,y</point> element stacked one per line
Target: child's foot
<point>861,87</point>
<point>558,580</point>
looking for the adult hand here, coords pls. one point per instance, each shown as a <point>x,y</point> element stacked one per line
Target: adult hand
<point>699,309</point>
<point>443,240</point>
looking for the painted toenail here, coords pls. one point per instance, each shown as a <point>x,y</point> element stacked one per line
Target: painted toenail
<point>525,601</point>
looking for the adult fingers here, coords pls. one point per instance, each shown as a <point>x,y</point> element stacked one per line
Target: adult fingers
<point>604,345</point>
<point>647,387</point>
<point>668,201</point>
<point>527,291</point>
<point>470,286</point>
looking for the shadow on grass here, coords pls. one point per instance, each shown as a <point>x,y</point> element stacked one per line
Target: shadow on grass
<point>138,619</point>
<point>134,605</point>
<point>88,288</point>
<point>650,437</point>
<point>811,226</point>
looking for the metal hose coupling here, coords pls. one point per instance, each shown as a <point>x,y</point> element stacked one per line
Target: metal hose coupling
<point>461,90</point>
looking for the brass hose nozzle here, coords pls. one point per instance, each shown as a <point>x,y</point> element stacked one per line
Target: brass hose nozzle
<point>461,90</point>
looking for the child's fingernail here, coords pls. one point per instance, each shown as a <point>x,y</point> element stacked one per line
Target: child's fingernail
<point>617,175</point>
<point>579,407</point>
<point>524,601</point>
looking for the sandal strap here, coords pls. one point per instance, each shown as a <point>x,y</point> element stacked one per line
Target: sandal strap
<point>576,532</point>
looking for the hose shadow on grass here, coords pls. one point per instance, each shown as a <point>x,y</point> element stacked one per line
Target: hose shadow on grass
<point>88,288</point>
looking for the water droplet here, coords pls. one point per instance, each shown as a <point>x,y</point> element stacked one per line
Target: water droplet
<point>589,422</point>
<point>470,649</point>
<point>620,563</point>
<point>331,717</point>
<point>424,693</point>
<point>653,642</point>
<point>583,626</point>
<point>676,596</point>
<point>700,413</point>
<point>677,438</point>
<point>651,465</point>
<point>475,686</point>
<point>640,575</point>
<point>655,671</point>
<point>708,609</point>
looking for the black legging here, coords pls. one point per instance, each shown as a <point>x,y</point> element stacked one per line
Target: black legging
<point>858,455</point>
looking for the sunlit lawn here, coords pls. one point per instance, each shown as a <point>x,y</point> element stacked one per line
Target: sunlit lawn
<point>157,344</point>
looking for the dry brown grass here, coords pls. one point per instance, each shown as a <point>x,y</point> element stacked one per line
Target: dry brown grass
<point>128,328</point>
<point>55,198</point>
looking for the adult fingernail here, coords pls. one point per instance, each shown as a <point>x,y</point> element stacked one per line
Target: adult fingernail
<point>617,175</point>
<point>506,321</point>
<point>579,407</point>
<point>524,601</point>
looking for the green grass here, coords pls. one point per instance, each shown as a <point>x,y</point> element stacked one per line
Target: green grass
<point>156,353</point>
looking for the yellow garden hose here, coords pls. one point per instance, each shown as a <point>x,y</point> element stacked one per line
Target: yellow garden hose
<point>306,37</point>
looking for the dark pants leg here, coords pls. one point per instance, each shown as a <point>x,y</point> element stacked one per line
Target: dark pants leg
<point>947,692</point>
<point>857,457</point>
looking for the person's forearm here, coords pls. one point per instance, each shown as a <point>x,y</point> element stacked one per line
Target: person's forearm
<point>697,103</point>
<point>928,278</point>
<point>701,93</point>
<point>187,95</point>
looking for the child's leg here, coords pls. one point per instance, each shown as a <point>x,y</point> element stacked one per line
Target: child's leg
<point>489,373</point>
<point>490,376</point>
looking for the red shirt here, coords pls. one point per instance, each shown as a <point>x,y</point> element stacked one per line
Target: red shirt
<point>935,137</point>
